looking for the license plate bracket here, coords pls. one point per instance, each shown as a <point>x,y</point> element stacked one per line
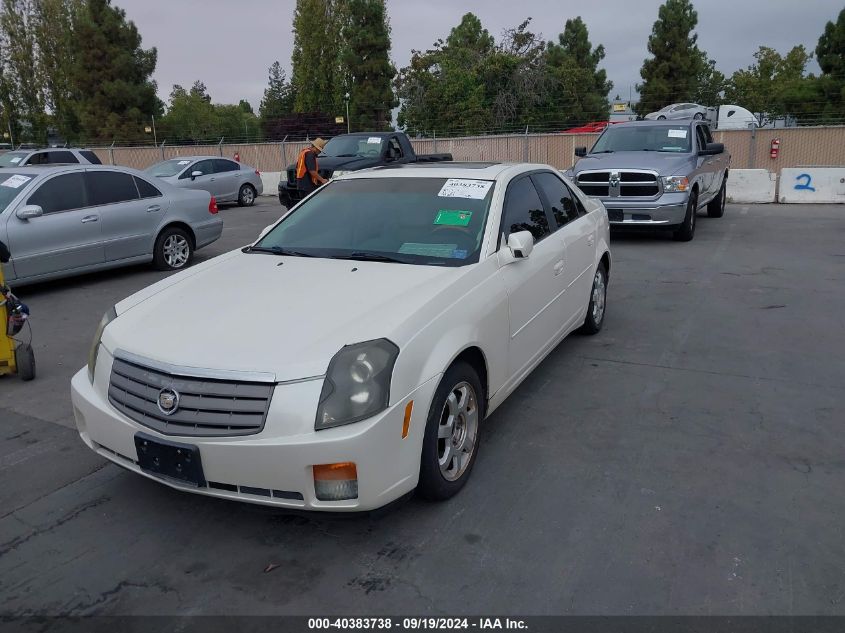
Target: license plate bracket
<point>170,460</point>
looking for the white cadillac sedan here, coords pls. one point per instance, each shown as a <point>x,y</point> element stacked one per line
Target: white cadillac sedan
<point>351,354</point>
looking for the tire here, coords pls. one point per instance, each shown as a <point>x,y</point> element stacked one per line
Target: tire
<point>174,249</point>
<point>661,118</point>
<point>459,394</point>
<point>246,196</point>
<point>716,207</point>
<point>594,320</point>
<point>686,231</point>
<point>698,116</point>
<point>25,361</point>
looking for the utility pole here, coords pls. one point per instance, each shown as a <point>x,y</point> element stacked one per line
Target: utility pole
<point>346,98</point>
<point>155,138</point>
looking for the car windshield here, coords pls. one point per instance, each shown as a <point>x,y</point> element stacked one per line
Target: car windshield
<point>353,146</point>
<point>648,138</point>
<point>168,168</point>
<point>426,221</point>
<point>10,159</point>
<point>10,186</point>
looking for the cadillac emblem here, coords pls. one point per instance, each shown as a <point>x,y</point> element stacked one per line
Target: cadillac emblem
<point>168,401</point>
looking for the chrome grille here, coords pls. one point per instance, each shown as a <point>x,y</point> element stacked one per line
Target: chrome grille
<point>208,407</point>
<point>625,184</point>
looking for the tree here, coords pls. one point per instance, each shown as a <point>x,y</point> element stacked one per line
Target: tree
<point>190,116</point>
<point>366,61</point>
<point>578,88</point>
<point>17,23</point>
<point>677,66</point>
<point>112,74</point>
<point>54,25</point>
<point>318,80</point>
<point>830,87</point>
<point>443,88</point>
<point>774,86</point>
<point>236,123</point>
<point>278,98</point>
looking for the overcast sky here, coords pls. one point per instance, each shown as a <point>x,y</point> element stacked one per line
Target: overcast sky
<point>229,44</point>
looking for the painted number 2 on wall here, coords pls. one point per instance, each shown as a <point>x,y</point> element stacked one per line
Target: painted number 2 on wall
<point>804,183</point>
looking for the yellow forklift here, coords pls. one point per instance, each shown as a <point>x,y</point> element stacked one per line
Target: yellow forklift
<point>16,357</point>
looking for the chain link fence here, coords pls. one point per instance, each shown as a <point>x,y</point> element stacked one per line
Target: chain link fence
<point>750,149</point>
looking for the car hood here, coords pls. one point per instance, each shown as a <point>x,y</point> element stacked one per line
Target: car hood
<point>283,315</point>
<point>352,163</point>
<point>665,163</point>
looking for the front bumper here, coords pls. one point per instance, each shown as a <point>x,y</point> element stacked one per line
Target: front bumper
<point>280,458</point>
<point>668,210</point>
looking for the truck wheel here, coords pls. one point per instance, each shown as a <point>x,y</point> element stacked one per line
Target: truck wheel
<point>716,207</point>
<point>285,199</point>
<point>450,443</point>
<point>686,231</point>
<point>25,361</point>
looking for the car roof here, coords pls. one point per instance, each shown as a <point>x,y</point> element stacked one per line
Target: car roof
<point>665,123</point>
<point>446,169</point>
<point>46,170</point>
<point>197,158</point>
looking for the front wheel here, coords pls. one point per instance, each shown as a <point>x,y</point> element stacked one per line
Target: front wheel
<point>686,231</point>
<point>450,444</point>
<point>173,249</point>
<point>246,196</point>
<point>698,116</point>
<point>598,301</point>
<point>716,207</point>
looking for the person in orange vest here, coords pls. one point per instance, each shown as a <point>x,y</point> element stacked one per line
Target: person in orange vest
<point>307,176</point>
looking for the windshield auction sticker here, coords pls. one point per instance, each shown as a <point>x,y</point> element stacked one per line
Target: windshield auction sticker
<point>453,218</point>
<point>374,140</point>
<point>677,133</point>
<point>462,188</point>
<point>15,181</point>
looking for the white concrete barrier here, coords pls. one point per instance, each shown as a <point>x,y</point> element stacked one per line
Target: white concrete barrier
<point>270,180</point>
<point>751,186</point>
<point>812,184</point>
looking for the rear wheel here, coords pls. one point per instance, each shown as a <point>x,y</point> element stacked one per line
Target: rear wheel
<point>661,118</point>
<point>598,301</point>
<point>25,361</point>
<point>716,207</point>
<point>174,249</point>
<point>698,116</point>
<point>686,231</point>
<point>450,445</point>
<point>246,196</point>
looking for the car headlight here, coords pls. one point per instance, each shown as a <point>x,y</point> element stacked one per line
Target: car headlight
<point>675,183</point>
<point>108,317</point>
<point>357,383</point>
<point>340,172</point>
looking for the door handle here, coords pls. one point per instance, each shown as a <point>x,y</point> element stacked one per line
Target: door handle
<point>90,218</point>
<point>559,267</point>
<point>153,208</point>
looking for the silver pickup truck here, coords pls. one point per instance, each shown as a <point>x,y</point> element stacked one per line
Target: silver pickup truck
<point>655,174</point>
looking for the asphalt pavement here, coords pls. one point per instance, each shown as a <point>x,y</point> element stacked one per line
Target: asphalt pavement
<point>687,460</point>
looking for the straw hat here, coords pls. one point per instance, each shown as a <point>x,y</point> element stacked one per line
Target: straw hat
<point>319,143</point>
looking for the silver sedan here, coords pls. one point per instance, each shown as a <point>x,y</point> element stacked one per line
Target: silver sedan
<point>62,221</point>
<point>225,179</point>
<point>678,111</point>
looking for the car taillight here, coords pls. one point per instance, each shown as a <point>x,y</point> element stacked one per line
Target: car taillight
<point>212,206</point>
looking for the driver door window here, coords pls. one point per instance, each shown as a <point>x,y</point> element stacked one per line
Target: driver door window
<point>524,211</point>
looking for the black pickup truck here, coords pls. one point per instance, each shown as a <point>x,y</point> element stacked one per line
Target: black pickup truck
<point>352,152</point>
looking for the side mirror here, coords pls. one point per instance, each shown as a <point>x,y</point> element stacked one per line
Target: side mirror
<point>196,174</point>
<point>30,211</point>
<point>581,152</point>
<point>712,149</point>
<point>265,231</point>
<point>521,244</point>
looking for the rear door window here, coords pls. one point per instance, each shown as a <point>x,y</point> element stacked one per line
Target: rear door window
<point>55,157</point>
<point>221,165</point>
<point>90,156</point>
<point>563,205</point>
<point>61,193</point>
<point>146,189</point>
<point>524,211</point>
<point>110,187</point>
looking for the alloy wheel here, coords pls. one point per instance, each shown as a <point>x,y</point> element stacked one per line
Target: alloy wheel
<point>458,431</point>
<point>176,251</point>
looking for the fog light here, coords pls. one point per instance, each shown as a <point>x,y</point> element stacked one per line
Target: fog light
<point>336,482</point>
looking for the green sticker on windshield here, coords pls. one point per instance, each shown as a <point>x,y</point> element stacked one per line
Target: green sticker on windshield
<point>453,218</point>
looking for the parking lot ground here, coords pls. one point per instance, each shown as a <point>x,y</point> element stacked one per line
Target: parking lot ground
<point>687,460</point>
